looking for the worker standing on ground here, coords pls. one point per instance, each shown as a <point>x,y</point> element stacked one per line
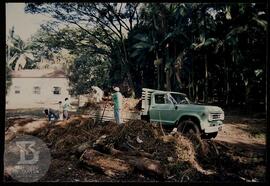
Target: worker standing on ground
<point>66,106</point>
<point>60,110</point>
<point>117,100</point>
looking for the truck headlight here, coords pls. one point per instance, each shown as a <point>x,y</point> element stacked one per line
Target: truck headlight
<point>222,116</point>
<point>210,117</point>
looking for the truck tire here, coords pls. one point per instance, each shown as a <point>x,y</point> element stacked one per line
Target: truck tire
<point>210,135</point>
<point>188,127</point>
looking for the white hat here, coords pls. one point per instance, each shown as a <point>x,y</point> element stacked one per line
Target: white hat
<point>116,89</point>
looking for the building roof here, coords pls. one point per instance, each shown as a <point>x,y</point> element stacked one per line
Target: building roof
<point>37,73</point>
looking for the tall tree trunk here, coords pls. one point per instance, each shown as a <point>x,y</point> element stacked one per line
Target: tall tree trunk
<point>266,79</point>
<point>226,82</point>
<point>266,87</point>
<point>206,79</point>
<point>177,68</point>
<point>189,85</point>
<point>205,96</point>
<point>192,80</point>
<point>197,91</point>
<point>168,74</point>
<point>142,79</point>
<point>162,67</point>
<point>158,77</point>
<point>177,75</point>
<point>158,63</point>
<point>227,86</point>
<point>168,82</point>
<point>126,63</point>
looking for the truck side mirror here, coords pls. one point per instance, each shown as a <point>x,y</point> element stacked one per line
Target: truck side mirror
<point>175,106</point>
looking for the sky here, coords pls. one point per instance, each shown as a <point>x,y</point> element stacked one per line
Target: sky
<point>25,24</point>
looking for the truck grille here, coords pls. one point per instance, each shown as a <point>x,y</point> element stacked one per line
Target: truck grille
<point>217,116</point>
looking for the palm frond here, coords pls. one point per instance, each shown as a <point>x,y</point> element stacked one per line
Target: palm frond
<point>260,22</point>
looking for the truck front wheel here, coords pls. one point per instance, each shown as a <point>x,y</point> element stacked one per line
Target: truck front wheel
<point>188,127</point>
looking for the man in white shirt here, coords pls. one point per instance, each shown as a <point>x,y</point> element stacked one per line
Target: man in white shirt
<point>66,106</point>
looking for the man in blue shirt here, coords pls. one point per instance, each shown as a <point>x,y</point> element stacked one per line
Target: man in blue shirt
<point>117,100</point>
<point>51,114</point>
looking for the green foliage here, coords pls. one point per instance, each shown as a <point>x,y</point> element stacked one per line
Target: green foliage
<point>86,71</point>
<point>8,79</point>
<point>214,51</point>
<point>103,24</point>
<point>19,53</point>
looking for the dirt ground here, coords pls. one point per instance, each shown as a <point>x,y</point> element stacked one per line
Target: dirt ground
<point>241,152</point>
<point>244,132</point>
<point>246,139</point>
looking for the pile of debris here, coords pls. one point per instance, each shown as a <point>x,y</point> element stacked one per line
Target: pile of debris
<point>141,146</point>
<point>129,104</point>
<point>122,150</point>
<point>28,125</point>
<point>134,148</point>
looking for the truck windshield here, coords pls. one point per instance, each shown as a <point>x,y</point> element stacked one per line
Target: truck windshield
<point>180,99</point>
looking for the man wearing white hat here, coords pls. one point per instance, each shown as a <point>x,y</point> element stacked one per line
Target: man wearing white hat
<point>117,100</point>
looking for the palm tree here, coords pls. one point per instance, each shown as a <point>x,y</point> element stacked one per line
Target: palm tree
<point>19,52</point>
<point>159,34</point>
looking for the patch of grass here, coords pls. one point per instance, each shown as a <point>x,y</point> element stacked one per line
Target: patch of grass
<point>22,112</point>
<point>259,135</point>
<point>257,132</point>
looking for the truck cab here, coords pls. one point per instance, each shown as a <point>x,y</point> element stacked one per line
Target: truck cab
<point>176,110</point>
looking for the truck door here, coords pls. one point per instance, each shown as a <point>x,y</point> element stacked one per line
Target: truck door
<point>161,108</point>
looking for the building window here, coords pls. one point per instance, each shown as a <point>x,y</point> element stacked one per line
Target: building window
<point>56,90</point>
<point>17,90</point>
<point>36,90</point>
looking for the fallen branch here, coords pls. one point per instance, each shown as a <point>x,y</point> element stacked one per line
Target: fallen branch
<point>111,166</point>
<point>107,164</point>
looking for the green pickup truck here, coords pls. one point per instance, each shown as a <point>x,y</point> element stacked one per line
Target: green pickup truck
<point>174,109</point>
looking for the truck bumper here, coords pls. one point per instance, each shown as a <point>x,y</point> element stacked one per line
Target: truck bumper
<point>215,126</point>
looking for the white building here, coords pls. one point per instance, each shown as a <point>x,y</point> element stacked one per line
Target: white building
<point>37,88</point>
